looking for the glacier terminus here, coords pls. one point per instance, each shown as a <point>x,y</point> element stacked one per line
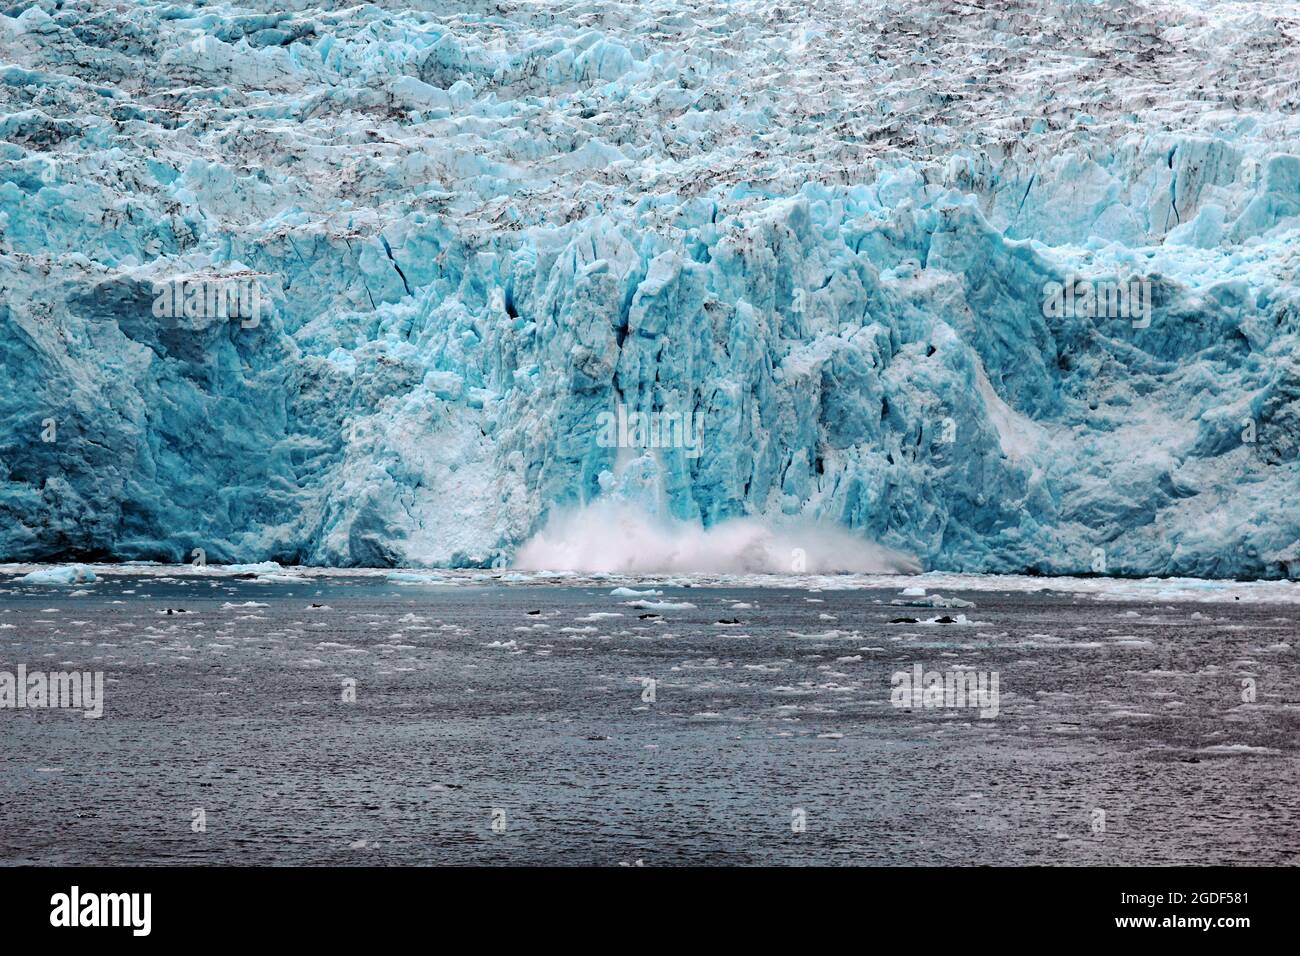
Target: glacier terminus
<point>874,251</point>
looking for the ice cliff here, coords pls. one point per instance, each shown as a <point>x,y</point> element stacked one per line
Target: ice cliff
<point>825,227</point>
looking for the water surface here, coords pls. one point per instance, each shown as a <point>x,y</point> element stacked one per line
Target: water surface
<point>521,704</point>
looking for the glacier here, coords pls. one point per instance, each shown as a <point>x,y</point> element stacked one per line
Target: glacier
<point>476,228</point>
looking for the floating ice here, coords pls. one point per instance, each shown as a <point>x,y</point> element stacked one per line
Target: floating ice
<point>67,574</point>
<point>931,600</point>
<point>661,605</point>
<point>260,568</point>
<point>412,577</point>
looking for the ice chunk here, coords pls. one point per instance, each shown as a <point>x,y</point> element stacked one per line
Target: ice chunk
<point>64,575</point>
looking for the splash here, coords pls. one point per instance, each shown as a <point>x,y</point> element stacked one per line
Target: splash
<point>617,537</point>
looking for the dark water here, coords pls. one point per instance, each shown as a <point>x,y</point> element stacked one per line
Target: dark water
<point>1129,709</point>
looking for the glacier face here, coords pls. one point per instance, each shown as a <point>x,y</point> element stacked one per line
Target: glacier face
<point>477,229</point>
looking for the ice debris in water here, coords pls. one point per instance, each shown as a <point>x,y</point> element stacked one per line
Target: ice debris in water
<point>378,286</point>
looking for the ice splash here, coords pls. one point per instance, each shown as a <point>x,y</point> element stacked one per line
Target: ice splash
<point>618,537</point>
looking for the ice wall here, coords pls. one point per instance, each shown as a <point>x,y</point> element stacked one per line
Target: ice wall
<point>477,228</point>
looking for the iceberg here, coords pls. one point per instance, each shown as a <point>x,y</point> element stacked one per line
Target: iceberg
<point>412,285</point>
<point>59,576</point>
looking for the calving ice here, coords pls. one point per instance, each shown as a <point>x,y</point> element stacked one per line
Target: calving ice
<point>64,690</point>
<point>624,429</point>
<point>75,909</point>
<point>921,689</point>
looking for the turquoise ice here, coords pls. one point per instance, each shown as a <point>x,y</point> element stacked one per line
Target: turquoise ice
<point>476,228</point>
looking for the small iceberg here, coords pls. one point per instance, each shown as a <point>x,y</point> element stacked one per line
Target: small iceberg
<point>932,600</point>
<point>261,567</point>
<point>63,575</point>
<point>412,577</point>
